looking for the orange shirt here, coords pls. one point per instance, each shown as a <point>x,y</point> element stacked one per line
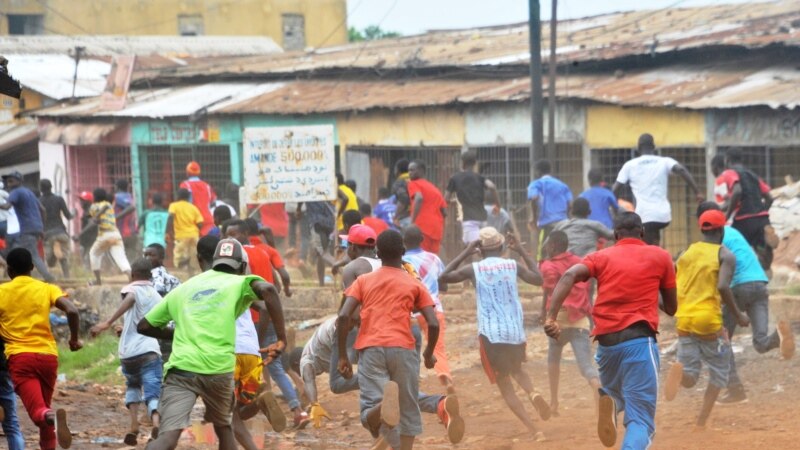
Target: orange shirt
<point>274,254</point>
<point>258,262</point>
<point>376,224</point>
<point>387,300</point>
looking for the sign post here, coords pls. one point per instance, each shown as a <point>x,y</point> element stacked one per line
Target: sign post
<point>289,164</point>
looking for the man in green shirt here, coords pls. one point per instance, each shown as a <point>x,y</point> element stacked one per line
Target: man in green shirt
<point>204,310</point>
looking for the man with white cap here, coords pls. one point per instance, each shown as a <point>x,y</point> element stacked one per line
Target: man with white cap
<point>202,362</point>
<point>500,328</point>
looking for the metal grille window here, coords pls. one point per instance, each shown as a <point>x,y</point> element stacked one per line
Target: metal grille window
<point>164,167</point>
<point>773,164</point>
<point>92,167</point>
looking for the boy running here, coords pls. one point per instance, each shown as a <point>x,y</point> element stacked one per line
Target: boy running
<point>583,233</point>
<point>572,319</point>
<point>30,347</point>
<point>704,274</point>
<point>108,237</point>
<point>205,309</point>
<point>500,329</point>
<point>139,355</point>
<point>388,372</point>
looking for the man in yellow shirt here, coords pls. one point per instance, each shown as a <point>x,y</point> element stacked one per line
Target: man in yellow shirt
<point>30,347</point>
<point>346,201</point>
<point>184,224</point>
<point>703,276</point>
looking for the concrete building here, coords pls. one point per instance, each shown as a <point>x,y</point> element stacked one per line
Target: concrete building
<point>293,24</point>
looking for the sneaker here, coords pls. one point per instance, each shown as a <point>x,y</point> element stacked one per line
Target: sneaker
<point>541,406</point>
<point>733,396</point>
<point>63,435</point>
<point>607,420</point>
<point>673,383</point>
<point>301,420</point>
<point>390,405</point>
<point>787,339</point>
<point>453,420</point>
<point>269,407</point>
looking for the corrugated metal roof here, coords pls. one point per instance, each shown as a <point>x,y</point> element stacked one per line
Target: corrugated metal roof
<point>51,75</point>
<point>737,83</point>
<point>175,46</point>
<point>15,135</point>
<point>596,38</point>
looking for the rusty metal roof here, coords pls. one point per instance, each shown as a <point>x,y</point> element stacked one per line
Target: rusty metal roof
<point>598,38</point>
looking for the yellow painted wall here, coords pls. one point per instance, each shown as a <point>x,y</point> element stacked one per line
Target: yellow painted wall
<point>160,17</point>
<point>9,107</point>
<point>609,126</point>
<point>411,127</point>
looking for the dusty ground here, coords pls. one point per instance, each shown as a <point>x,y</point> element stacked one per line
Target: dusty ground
<point>768,420</point>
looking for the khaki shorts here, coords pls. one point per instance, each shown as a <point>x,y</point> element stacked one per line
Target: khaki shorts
<point>179,394</point>
<point>185,251</point>
<point>247,377</point>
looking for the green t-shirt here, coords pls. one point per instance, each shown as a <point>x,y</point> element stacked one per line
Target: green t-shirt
<point>205,309</point>
<point>154,222</point>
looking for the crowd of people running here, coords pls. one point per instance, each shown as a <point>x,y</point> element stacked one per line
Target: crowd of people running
<point>598,262</point>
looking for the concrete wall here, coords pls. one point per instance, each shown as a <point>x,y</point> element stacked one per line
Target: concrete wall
<point>160,17</point>
<point>616,127</point>
<point>510,123</point>
<point>413,127</point>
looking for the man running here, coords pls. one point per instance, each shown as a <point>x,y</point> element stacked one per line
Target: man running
<point>468,187</point>
<point>630,276</point>
<point>202,363</point>
<point>648,176</point>
<point>108,238</point>
<point>501,333</point>
<point>56,239</point>
<point>428,208</point>
<point>550,200</point>
<point>184,224</point>
<point>704,274</point>
<point>201,195</point>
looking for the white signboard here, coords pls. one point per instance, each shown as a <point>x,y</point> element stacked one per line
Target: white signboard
<point>289,164</point>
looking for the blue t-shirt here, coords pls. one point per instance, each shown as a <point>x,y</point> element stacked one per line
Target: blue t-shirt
<point>748,269</point>
<point>600,199</point>
<point>385,210</point>
<point>26,205</point>
<point>553,197</point>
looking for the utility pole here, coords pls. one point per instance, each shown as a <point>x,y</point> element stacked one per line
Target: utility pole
<point>78,53</point>
<point>551,88</point>
<point>537,113</point>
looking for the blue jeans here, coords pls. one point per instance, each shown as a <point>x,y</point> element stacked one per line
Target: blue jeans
<point>8,400</point>
<point>629,374</point>
<point>278,374</point>
<point>143,375</point>
<point>30,243</point>
<point>753,299</point>
<point>338,383</point>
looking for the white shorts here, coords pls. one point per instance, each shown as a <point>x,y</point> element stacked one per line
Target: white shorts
<point>470,230</point>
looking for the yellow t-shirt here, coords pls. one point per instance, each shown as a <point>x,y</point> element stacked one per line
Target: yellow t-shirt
<point>25,316</point>
<point>104,213</point>
<point>699,302</point>
<point>185,220</point>
<point>352,204</point>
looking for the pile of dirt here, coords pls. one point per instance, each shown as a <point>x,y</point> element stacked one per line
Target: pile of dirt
<point>784,215</point>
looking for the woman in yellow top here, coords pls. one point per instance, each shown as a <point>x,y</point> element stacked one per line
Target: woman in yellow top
<point>346,201</point>
<point>703,276</point>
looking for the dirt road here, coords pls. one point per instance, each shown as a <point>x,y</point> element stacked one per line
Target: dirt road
<point>767,420</point>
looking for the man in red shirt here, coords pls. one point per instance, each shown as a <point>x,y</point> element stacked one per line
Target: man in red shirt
<point>388,364</point>
<point>201,195</point>
<point>377,225</point>
<point>630,276</point>
<point>274,255</point>
<point>428,208</point>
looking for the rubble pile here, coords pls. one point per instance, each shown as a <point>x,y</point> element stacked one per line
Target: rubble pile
<point>785,218</point>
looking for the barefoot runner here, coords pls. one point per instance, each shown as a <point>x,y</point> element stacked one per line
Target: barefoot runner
<point>500,329</point>
<point>630,276</point>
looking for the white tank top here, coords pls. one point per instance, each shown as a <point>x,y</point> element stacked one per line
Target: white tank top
<point>374,262</point>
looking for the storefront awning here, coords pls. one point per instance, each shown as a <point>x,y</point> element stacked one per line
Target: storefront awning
<point>75,133</point>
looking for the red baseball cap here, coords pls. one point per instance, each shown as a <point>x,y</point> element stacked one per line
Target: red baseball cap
<point>87,196</point>
<point>711,220</point>
<point>360,235</point>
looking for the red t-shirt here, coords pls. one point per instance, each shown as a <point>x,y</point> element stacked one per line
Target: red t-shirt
<point>430,220</point>
<point>723,188</point>
<point>629,276</point>
<point>388,296</point>
<point>258,262</point>
<point>202,196</point>
<point>376,224</point>
<point>274,255</point>
<point>274,216</point>
<point>577,302</point>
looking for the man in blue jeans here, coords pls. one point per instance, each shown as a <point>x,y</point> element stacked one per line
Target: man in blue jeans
<point>31,227</point>
<point>630,276</point>
<point>8,403</point>
<point>750,293</point>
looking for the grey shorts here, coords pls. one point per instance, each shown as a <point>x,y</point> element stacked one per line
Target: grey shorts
<point>179,394</point>
<point>578,338</point>
<point>376,366</point>
<point>693,351</point>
